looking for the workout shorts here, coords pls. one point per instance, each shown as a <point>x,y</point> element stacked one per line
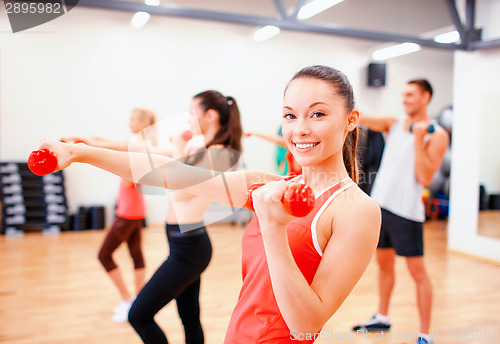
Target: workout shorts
<point>404,235</point>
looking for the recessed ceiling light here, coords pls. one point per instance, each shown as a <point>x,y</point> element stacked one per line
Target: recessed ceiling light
<point>448,37</point>
<point>395,50</point>
<point>140,19</point>
<point>266,32</point>
<point>315,7</point>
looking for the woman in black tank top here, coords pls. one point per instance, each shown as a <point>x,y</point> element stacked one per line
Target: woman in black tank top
<point>217,118</point>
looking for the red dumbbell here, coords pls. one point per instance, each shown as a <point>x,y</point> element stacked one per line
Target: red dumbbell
<point>298,199</point>
<point>250,190</point>
<point>42,161</point>
<point>187,135</point>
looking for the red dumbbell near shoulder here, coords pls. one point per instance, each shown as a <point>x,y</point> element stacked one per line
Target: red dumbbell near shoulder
<point>298,199</point>
<point>42,161</point>
<point>249,203</point>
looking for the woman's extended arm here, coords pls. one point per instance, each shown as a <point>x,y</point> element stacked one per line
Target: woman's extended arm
<point>161,171</point>
<point>98,142</point>
<point>276,139</point>
<point>141,145</point>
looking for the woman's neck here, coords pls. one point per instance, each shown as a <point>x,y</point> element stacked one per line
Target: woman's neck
<point>209,134</point>
<point>321,176</point>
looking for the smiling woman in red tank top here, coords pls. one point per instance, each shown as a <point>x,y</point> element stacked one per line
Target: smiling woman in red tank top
<point>296,272</point>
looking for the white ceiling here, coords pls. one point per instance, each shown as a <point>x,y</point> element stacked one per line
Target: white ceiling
<point>405,17</point>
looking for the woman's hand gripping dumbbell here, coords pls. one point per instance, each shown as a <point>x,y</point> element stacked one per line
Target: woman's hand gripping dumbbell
<point>298,199</point>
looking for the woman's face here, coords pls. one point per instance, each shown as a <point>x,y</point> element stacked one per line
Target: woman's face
<point>197,120</point>
<point>137,122</point>
<point>315,121</point>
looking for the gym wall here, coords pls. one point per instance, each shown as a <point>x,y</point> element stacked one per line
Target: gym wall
<point>82,73</point>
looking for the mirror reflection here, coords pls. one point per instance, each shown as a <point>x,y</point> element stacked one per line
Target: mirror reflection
<point>489,169</point>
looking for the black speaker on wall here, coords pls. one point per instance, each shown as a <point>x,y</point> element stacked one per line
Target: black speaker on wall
<point>376,74</point>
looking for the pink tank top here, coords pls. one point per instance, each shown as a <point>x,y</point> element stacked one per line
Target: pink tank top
<point>256,317</point>
<point>130,204</point>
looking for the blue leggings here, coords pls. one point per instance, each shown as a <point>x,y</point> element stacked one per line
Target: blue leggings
<point>177,278</point>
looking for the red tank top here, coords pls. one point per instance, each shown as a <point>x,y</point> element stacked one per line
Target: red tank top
<point>256,317</point>
<point>130,204</point>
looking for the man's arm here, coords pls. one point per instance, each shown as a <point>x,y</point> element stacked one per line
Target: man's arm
<point>429,155</point>
<point>376,123</point>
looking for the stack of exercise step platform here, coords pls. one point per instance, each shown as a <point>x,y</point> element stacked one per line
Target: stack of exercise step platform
<point>92,217</point>
<point>30,202</point>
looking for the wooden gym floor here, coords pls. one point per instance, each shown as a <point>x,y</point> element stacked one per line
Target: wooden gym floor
<point>53,290</point>
<point>487,225</point>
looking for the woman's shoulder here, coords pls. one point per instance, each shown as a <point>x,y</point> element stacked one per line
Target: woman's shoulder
<point>350,216</point>
<point>218,145</point>
<point>355,203</point>
<point>354,215</point>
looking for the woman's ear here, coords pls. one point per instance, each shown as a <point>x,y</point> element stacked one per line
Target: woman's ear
<point>352,120</point>
<point>212,115</point>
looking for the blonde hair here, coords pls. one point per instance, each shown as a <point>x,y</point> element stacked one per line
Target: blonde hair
<point>150,117</point>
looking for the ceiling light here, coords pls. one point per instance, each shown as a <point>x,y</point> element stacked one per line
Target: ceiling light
<point>266,32</point>
<point>314,7</point>
<point>448,37</point>
<point>395,50</point>
<point>140,19</point>
<point>152,2</point>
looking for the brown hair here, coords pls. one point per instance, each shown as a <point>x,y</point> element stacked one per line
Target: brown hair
<point>344,89</point>
<point>424,85</point>
<point>230,131</point>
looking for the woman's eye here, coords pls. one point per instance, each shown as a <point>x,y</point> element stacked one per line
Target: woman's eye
<point>289,116</point>
<point>318,114</point>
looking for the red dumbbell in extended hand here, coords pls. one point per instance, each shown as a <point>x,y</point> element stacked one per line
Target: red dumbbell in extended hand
<point>42,161</point>
<point>298,199</point>
<point>187,135</point>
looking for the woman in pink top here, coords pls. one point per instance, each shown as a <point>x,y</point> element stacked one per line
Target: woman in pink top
<point>309,266</point>
<point>130,212</point>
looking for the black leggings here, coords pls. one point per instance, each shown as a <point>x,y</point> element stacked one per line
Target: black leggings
<point>177,278</point>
